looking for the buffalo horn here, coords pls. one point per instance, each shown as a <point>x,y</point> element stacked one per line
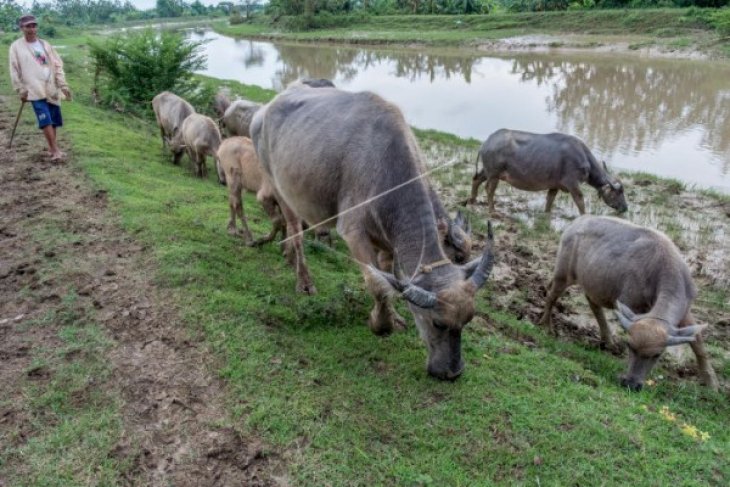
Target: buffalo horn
<point>480,274</point>
<point>675,340</point>
<point>419,296</point>
<point>604,165</point>
<point>413,294</point>
<point>625,315</point>
<point>687,331</point>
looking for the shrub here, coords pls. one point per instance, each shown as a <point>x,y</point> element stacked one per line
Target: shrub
<point>721,21</point>
<point>132,69</point>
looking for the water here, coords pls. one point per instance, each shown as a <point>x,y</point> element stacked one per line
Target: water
<point>665,117</point>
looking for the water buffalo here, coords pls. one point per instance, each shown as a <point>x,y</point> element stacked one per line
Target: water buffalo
<point>635,270</point>
<point>237,159</point>
<point>202,138</point>
<point>170,112</point>
<point>359,167</point>
<point>535,162</point>
<point>237,117</point>
<point>221,102</point>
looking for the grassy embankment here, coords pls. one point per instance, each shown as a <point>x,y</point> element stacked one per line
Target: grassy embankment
<point>346,408</point>
<point>665,29</point>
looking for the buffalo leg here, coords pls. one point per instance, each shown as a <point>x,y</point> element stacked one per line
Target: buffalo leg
<point>248,238</point>
<point>294,231</point>
<point>491,188</point>
<point>557,288</point>
<point>550,199</point>
<point>578,198</point>
<point>706,372</point>
<point>477,180</point>
<point>271,207</point>
<point>234,197</point>
<point>606,339</point>
<point>176,156</point>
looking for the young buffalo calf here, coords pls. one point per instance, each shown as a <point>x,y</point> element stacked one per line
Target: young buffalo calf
<point>636,270</point>
<point>202,138</point>
<point>242,171</point>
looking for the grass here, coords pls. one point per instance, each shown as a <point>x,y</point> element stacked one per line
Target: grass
<point>343,406</point>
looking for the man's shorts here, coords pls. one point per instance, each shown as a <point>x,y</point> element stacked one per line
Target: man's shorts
<point>47,113</point>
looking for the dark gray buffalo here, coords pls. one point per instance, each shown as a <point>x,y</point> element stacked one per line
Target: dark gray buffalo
<point>237,117</point>
<point>536,162</point>
<point>350,160</point>
<point>639,272</point>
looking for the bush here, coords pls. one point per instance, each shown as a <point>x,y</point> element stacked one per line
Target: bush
<point>323,20</point>
<point>134,68</point>
<point>721,21</point>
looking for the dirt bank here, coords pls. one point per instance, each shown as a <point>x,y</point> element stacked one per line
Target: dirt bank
<point>174,426</point>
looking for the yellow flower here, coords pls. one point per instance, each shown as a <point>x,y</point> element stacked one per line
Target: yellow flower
<point>690,430</point>
<point>704,435</point>
<point>650,383</point>
<point>669,416</point>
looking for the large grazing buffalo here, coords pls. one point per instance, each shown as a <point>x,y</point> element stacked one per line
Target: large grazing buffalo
<point>350,160</point>
<point>170,112</point>
<point>536,162</point>
<point>639,272</point>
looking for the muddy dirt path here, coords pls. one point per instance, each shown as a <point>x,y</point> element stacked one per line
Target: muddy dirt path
<point>172,405</point>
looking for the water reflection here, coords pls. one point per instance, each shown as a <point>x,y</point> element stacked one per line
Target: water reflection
<point>671,118</point>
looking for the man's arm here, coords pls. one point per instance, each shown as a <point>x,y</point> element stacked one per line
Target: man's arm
<point>58,73</point>
<point>16,74</point>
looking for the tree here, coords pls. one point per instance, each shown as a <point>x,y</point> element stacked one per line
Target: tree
<point>10,12</point>
<point>134,68</point>
<point>250,4</point>
<point>170,8</point>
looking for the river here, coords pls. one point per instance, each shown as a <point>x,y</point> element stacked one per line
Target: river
<point>666,117</point>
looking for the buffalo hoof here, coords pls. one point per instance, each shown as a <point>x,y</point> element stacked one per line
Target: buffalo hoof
<point>632,384</point>
<point>306,288</point>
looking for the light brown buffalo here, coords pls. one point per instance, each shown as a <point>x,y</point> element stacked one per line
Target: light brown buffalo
<point>238,161</point>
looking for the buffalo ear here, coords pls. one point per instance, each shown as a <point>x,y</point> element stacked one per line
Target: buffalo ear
<point>462,222</point>
<point>479,269</point>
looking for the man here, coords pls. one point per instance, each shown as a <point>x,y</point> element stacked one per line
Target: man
<point>37,75</point>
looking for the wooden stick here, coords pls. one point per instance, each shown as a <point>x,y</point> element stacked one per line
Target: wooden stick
<point>17,119</point>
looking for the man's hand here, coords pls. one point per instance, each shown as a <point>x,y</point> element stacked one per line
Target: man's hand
<point>67,93</point>
<point>23,96</point>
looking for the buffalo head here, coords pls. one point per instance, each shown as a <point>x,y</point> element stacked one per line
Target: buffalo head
<point>612,193</point>
<point>442,303</point>
<point>648,338</point>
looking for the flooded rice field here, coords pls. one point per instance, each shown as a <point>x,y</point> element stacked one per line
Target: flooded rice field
<point>665,117</point>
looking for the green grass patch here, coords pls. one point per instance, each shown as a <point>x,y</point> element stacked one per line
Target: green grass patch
<point>662,24</point>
